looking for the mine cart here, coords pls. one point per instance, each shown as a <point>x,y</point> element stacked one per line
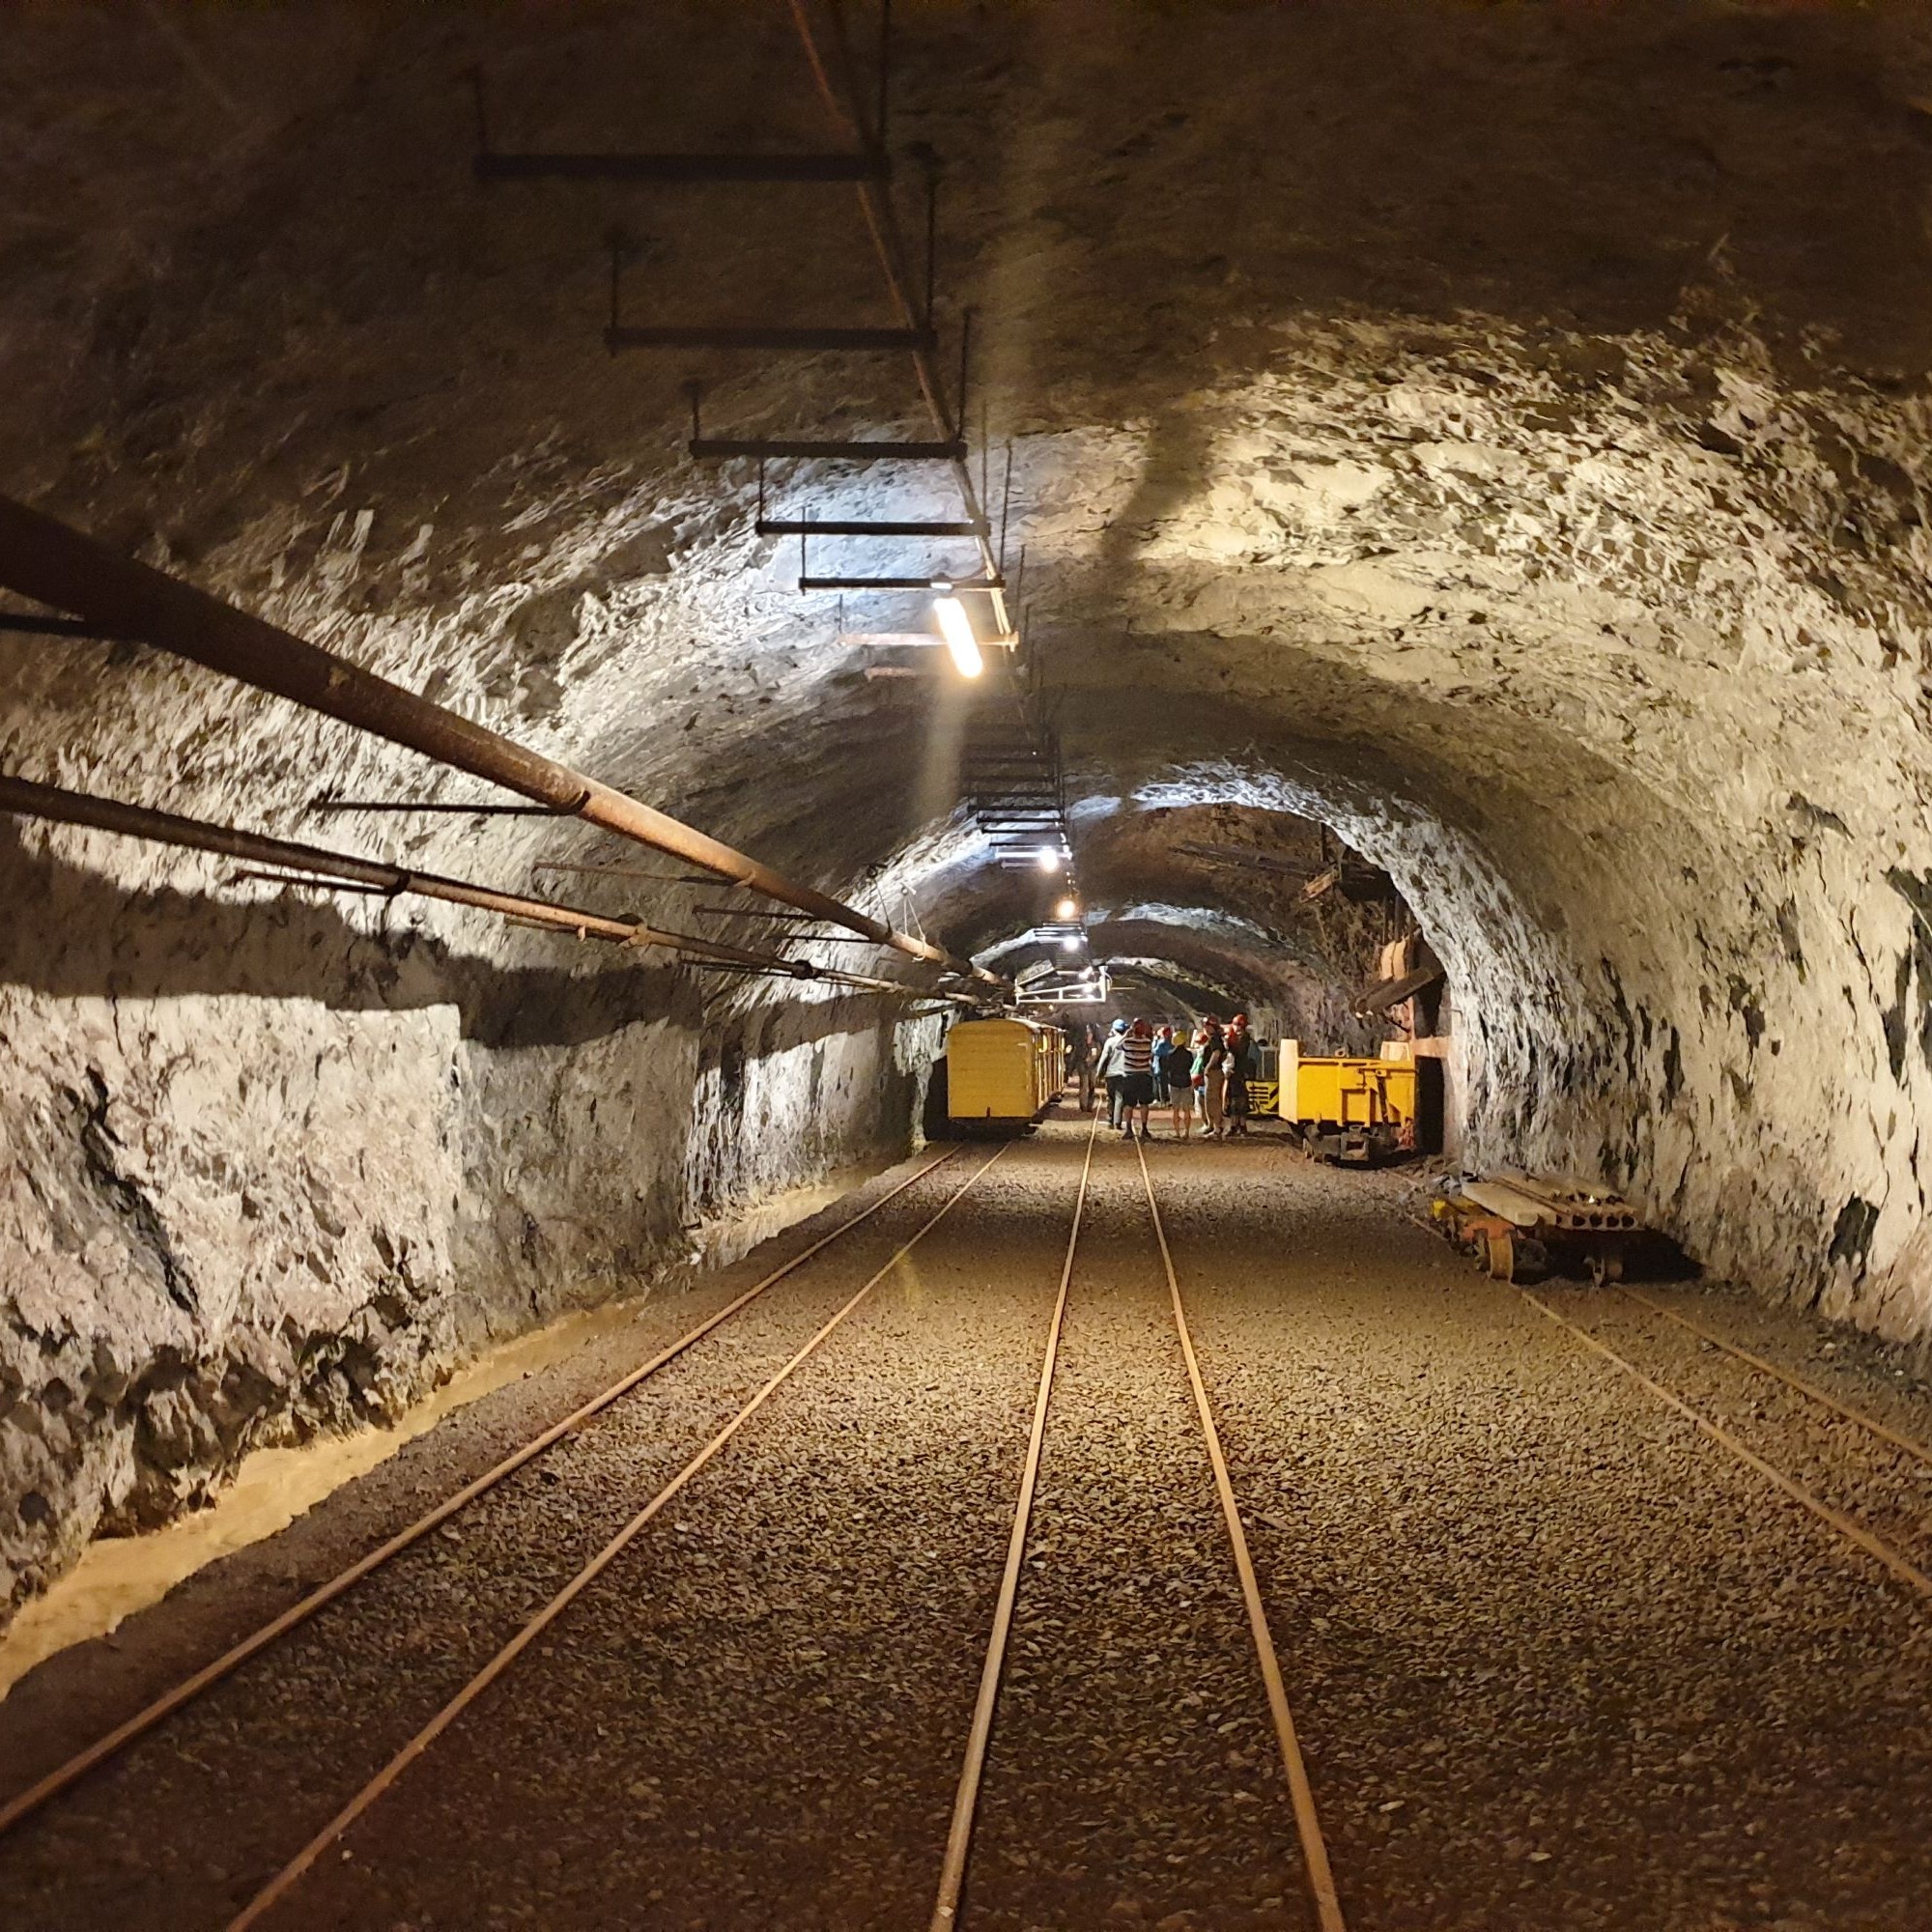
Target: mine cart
<point>1522,1228</point>
<point>1358,1111</point>
<point>1001,1074</point>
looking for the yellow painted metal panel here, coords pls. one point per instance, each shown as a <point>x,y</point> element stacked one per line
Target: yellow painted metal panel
<point>1352,1093</point>
<point>994,1070</point>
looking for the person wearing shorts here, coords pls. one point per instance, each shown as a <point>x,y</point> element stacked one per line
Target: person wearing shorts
<point>1136,1076</point>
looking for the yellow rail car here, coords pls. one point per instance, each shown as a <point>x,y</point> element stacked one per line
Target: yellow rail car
<point>1001,1074</point>
<point>1361,1110</point>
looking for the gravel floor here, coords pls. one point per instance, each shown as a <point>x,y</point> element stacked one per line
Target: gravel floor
<point>181,1828</point>
<point>1557,1659</point>
<point>758,1723</point>
<point>1134,1777</point>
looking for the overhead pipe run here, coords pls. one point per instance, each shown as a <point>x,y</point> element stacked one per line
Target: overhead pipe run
<point>47,562</point>
<point>314,867</point>
<point>24,797</point>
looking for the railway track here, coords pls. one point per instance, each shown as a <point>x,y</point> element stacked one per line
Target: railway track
<point>64,1778</point>
<point>282,1895</point>
<point>364,1800</point>
<point>956,1856</point>
<point>1802,1494</point>
<point>350,1849</point>
<point>947,1907</point>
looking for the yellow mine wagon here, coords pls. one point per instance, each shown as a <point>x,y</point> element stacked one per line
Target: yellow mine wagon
<point>1360,1110</point>
<point>1001,1074</point>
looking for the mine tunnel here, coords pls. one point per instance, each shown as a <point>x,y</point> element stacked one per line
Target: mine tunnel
<point>967,968</point>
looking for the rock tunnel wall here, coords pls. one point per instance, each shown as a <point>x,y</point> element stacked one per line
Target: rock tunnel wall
<point>1623,683</point>
<point>1514,462</point>
<point>277,1171</point>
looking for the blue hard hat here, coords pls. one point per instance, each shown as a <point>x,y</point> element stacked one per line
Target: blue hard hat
<point>1120,1026</point>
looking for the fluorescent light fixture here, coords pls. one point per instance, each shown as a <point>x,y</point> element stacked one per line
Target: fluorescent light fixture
<point>1068,909</point>
<point>1049,859</point>
<point>957,628</point>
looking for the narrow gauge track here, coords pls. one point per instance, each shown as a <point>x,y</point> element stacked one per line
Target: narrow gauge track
<point>1910,1444</point>
<point>507,1732</point>
<point>947,1908</point>
<point>332,1834</point>
<point>1803,1495</point>
<point>36,1798</point>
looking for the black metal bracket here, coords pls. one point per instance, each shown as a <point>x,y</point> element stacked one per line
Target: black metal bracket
<point>953,584</point>
<point>763,336</point>
<point>681,169</point>
<point>811,449</point>
<point>61,627</point>
<point>326,804</point>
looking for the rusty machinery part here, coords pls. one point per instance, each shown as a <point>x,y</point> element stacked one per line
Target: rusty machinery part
<point>313,867</point>
<point>1522,1229</point>
<point>1510,1255</point>
<point>966,1797</point>
<point>65,570</point>
<point>66,1775</point>
<point>1560,1206</point>
<point>291,1874</point>
<point>1307,1822</point>
<point>1854,1533</point>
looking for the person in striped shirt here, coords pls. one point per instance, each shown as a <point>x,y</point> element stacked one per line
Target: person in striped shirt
<point>1137,1077</point>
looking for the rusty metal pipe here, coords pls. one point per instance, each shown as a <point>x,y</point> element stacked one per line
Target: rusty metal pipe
<point>60,567</point>
<point>24,797</point>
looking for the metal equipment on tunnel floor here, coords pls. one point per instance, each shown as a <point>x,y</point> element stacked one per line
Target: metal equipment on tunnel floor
<point>1523,1228</point>
<point>1001,1074</point>
<point>1358,1109</point>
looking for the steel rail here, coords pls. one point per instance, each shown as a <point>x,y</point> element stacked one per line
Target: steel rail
<point>291,1874</point>
<point>966,1799</point>
<point>27,798</point>
<point>60,567</point>
<point>895,261</point>
<point>110,1745</point>
<point>1307,1822</point>
<point>1817,1394</point>
<point>1855,1533</point>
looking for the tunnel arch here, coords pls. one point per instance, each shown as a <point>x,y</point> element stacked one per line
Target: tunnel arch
<point>1548,523</point>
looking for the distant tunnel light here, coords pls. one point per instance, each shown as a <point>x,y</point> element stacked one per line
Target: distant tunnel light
<point>1071,944</point>
<point>1068,909</point>
<point>1049,859</point>
<point>957,628</point>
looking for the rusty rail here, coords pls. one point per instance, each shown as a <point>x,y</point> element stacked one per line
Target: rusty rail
<point>966,1796</point>
<point>291,1874</point>
<point>68,571</point>
<point>1315,1866</point>
<point>65,1775</point>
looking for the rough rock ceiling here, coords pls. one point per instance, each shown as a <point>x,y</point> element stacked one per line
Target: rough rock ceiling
<point>1497,434</point>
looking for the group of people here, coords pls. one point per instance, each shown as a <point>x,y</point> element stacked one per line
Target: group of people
<point>1140,1067</point>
